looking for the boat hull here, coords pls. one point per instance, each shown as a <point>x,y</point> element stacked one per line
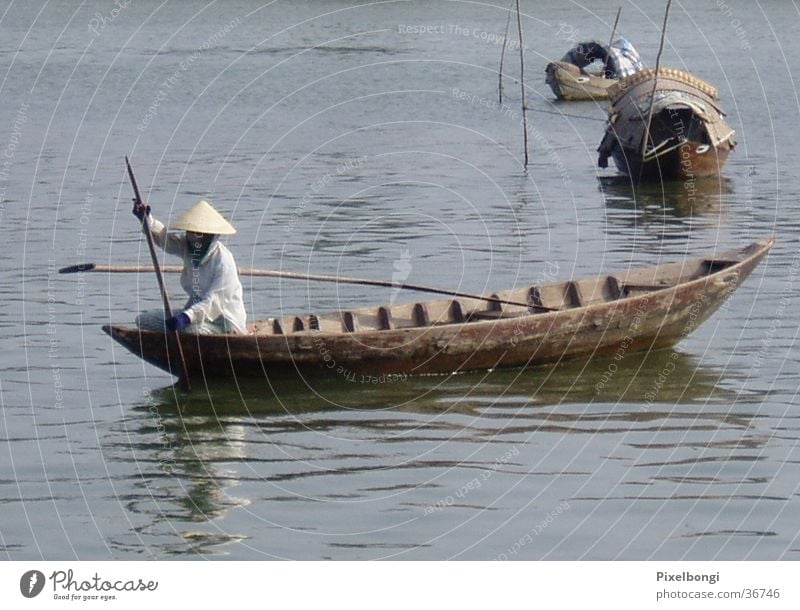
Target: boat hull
<point>683,163</point>
<point>653,319</point>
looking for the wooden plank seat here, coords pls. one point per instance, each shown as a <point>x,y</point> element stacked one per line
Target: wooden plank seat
<point>562,295</point>
<point>355,321</point>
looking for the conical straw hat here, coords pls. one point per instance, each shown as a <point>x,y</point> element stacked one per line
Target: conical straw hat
<point>203,218</point>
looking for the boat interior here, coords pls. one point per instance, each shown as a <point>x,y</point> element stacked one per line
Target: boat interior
<point>681,122</point>
<point>531,300</point>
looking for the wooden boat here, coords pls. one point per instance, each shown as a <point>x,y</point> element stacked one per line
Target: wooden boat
<point>637,309</point>
<point>570,83</point>
<point>688,136</point>
<point>571,78</point>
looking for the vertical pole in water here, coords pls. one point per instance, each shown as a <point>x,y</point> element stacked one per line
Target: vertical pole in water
<point>653,92</point>
<point>614,29</point>
<point>502,57</point>
<point>522,84</point>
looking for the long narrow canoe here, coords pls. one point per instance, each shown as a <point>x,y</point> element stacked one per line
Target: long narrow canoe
<point>637,309</point>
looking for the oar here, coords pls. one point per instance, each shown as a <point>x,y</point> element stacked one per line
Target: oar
<point>160,277</point>
<point>92,267</point>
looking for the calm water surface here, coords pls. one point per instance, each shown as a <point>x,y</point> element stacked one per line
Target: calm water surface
<point>355,139</point>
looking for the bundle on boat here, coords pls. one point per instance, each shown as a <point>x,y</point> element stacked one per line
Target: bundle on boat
<point>638,309</point>
<point>589,69</point>
<point>686,133</point>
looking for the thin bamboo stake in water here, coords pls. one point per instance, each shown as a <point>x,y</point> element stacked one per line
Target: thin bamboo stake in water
<point>502,57</point>
<point>614,29</point>
<point>522,83</point>
<point>653,92</point>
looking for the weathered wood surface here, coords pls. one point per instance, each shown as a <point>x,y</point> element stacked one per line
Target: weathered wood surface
<point>640,309</point>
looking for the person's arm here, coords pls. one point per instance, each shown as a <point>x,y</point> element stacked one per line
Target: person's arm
<point>170,242</point>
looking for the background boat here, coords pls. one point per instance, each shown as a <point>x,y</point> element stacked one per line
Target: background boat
<point>588,69</point>
<point>687,136</point>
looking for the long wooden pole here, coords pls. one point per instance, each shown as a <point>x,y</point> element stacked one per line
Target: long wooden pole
<point>245,271</point>
<point>502,58</point>
<point>187,386</point>
<point>653,92</point>
<point>522,83</point>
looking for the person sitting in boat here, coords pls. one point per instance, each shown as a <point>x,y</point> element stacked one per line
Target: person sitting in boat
<point>622,60</point>
<point>210,276</point>
<point>586,55</point>
<point>615,61</point>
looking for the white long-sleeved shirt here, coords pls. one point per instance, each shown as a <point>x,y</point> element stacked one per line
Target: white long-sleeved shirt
<point>213,286</point>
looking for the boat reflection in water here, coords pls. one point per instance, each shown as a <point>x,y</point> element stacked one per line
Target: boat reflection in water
<point>231,459</point>
<point>625,381</point>
<point>676,198</point>
<point>189,476</point>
